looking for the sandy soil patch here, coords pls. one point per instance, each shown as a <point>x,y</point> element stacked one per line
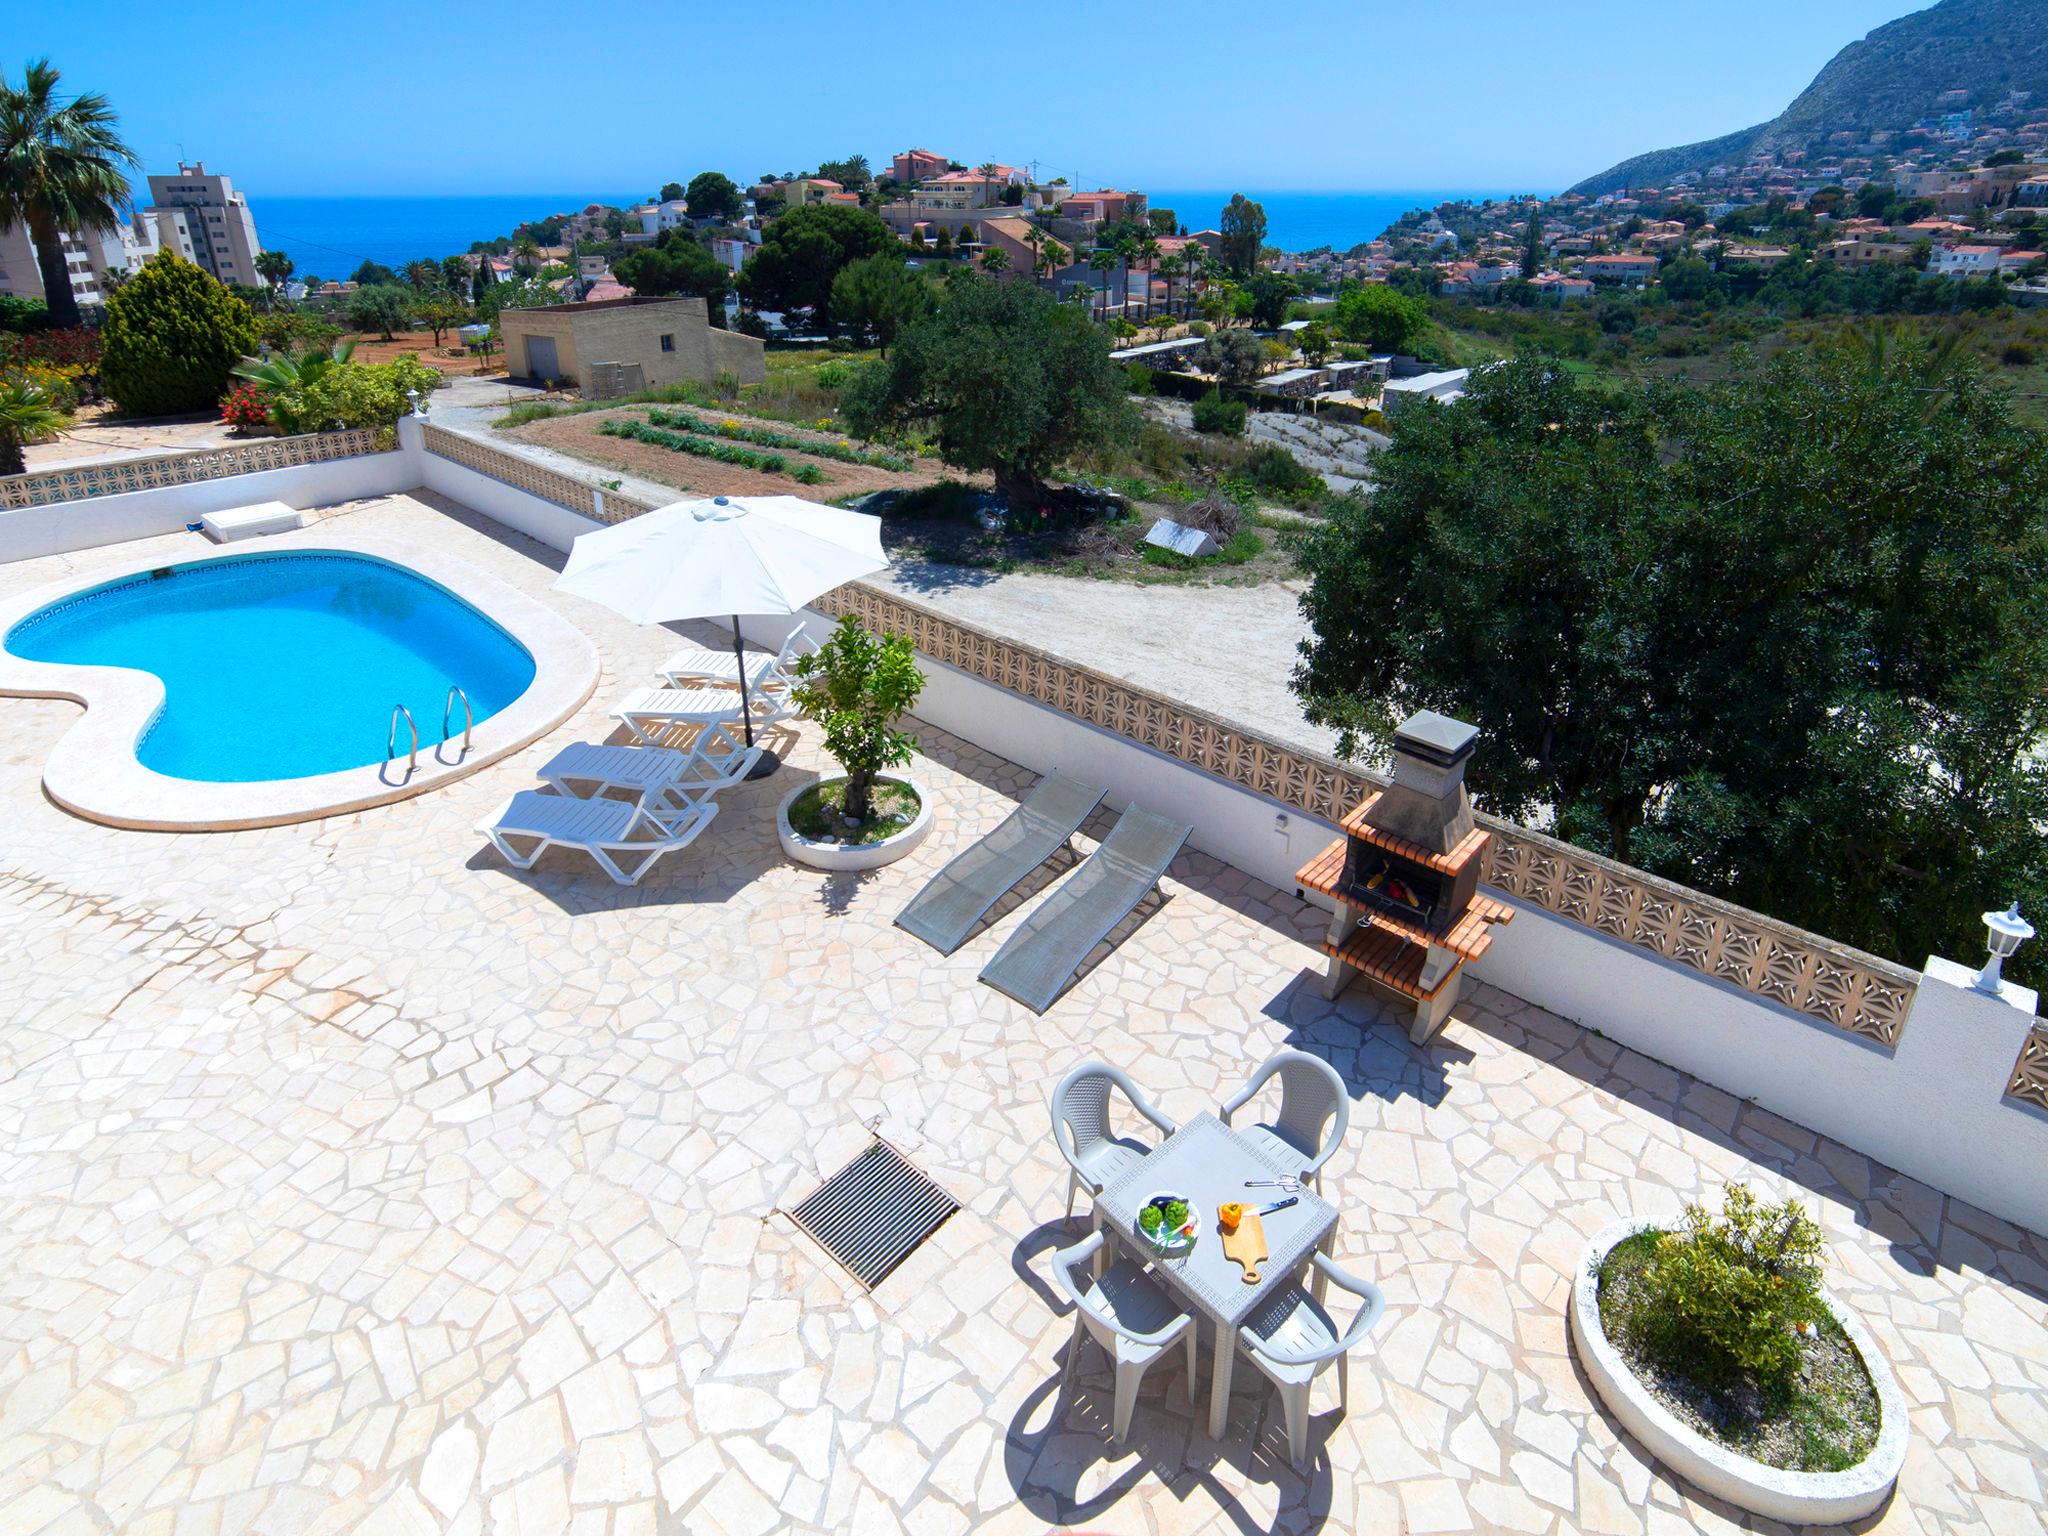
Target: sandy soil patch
<point>581,437</point>
<point>448,358</point>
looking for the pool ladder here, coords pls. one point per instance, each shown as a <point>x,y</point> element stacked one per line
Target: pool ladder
<point>391,741</point>
<point>468,716</point>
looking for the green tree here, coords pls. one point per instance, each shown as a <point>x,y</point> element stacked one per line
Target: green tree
<point>1316,342</point>
<point>371,273</point>
<point>1234,356</point>
<point>1380,317</point>
<point>804,250</point>
<point>671,192</point>
<point>440,312</point>
<point>856,686</point>
<point>877,296</point>
<point>481,282</point>
<point>172,335</point>
<point>455,275</point>
<point>675,264</point>
<point>385,308</point>
<point>1268,295</point>
<point>851,173</point>
<point>1532,247</point>
<point>63,166</point>
<point>274,267</point>
<point>422,275</point>
<point>1244,234</point>
<point>712,195</point>
<point>27,413</point>
<point>1010,380</point>
<point>995,259</point>
<point>1778,638</point>
<point>1687,279</point>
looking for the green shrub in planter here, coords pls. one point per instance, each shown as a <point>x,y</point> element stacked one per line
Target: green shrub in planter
<point>856,686</point>
<point>1215,414</point>
<point>1725,1296</point>
<point>172,336</point>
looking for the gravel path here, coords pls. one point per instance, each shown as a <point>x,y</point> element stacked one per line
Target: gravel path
<point>1227,650</point>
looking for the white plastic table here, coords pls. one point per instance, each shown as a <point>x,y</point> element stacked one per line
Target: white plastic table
<point>1210,1164</point>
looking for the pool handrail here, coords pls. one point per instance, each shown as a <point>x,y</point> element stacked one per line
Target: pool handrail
<point>468,715</point>
<point>391,741</point>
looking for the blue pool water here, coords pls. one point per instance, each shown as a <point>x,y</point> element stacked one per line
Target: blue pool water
<point>280,666</point>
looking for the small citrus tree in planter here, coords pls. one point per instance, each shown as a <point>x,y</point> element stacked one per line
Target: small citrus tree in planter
<point>1712,1341</point>
<point>856,686</point>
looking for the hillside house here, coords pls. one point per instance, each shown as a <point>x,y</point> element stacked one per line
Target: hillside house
<point>667,340</point>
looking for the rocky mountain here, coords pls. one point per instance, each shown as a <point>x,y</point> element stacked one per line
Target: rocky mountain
<point>1906,71</point>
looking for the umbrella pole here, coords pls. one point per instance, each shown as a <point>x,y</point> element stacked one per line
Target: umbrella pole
<point>767,762</point>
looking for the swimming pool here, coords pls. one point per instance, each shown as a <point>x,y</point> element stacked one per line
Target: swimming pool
<point>284,665</point>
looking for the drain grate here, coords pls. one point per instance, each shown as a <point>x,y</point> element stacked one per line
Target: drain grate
<point>872,1214</point>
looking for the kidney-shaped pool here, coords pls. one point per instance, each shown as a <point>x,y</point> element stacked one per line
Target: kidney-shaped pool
<point>284,665</point>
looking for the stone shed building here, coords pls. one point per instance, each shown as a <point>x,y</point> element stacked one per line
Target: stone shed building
<point>613,346</point>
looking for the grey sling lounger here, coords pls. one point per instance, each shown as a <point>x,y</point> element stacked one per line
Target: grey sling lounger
<point>960,895</point>
<point>1044,953</point>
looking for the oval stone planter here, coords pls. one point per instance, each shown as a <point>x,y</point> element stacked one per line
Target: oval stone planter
<point>838,857</point>
<point>1798,1498</point>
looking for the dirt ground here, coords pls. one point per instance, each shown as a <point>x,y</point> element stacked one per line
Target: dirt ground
<point>448,359</point>
<point>580,437</point>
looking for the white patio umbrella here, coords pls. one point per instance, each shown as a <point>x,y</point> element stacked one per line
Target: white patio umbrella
<point>726,555</point>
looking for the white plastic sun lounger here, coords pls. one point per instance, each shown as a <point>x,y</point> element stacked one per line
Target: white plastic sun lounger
<point>646,712</point>
<point>624,839</point>
<point>668,780</point>
<point>696,665</point>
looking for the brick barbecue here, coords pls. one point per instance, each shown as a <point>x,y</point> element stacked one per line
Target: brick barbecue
<point>1405,879</point>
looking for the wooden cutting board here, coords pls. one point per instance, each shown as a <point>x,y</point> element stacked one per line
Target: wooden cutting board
<point>1247,1245</point>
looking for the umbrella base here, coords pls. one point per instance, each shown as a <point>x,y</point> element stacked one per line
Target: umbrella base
<point>764,765</point>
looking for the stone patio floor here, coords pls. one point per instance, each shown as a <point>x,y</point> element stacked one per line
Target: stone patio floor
<point>355,1183</point>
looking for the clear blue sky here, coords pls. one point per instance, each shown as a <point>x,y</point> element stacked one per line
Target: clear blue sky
<point>378,96</point>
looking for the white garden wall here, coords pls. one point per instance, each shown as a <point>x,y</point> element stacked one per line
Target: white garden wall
<point>1934,1108</point>
<point>29,532</point>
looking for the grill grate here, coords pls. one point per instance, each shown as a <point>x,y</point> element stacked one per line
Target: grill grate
<point>872,1214</point>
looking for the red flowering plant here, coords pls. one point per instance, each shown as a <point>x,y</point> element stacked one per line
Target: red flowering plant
<point>245,407</point>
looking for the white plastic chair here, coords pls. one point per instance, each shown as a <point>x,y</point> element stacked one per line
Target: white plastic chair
<point>1293,1340</point>
<point>1311,1096</point>
<point>1080,1127</point>
<point>1127,1313</point>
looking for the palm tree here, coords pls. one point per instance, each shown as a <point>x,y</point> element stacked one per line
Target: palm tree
<point>995,259</point>
<point>1148,252</point>
<point>293,370</point>
<point>526,255</point>
<point>1170,267</point>
<point>62,167</point>
<point>26,414</point>
<point>275,268</point>
<point>1103,260</point>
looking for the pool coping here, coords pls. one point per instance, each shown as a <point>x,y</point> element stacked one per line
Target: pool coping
<point>93,772</point>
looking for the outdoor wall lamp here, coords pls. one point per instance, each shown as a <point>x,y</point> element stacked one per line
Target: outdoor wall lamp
<point>2008,932</point>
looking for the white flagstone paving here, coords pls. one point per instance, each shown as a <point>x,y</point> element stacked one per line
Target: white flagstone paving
<point>352,1182</point>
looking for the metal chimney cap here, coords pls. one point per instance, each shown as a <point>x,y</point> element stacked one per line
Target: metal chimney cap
<point>1436,738</point>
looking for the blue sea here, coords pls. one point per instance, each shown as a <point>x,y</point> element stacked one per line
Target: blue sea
<point>331,236</point>
<point>1302,221</point>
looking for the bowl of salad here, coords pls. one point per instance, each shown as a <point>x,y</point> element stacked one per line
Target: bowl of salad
<point>1169,1222</point>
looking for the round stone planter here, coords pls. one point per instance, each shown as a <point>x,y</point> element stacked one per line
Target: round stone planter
<point>1797,1498</point>
<point>838,857</point>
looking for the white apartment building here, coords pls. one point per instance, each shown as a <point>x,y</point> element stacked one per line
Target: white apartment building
<point>89,258</point>
<point>220,229</point>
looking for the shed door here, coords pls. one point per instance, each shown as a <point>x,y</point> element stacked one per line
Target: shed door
<point>540,358</point>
